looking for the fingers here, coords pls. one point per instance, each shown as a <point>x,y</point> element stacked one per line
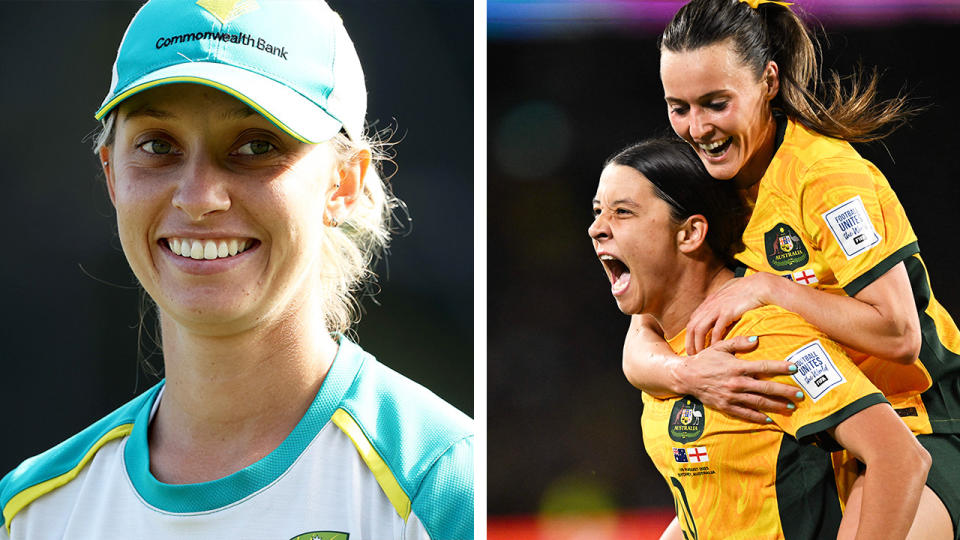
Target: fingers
<point>765,404</point>
<point>719,328</point>
<point>754,408</point>
<point>738,344</point>
<point>744,413</point>
<point>769,368</point>
<point>773,391</point>
<point>697,329</point>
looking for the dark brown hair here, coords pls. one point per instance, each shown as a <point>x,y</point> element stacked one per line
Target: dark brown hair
<point>679,179</point>
<point>773,32</point>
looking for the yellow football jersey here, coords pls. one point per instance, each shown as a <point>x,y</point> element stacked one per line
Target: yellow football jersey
<point>827,218</point>
<point>732,479</point>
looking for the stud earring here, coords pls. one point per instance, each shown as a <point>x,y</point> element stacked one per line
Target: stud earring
<point>330,221</point>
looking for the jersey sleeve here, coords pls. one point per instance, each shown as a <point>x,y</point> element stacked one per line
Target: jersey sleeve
<point>834,388</point>
<point>855,220</point>
<point>444,501</point>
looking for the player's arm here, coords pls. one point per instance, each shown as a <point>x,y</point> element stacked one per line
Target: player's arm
<point>714,376</point>
<point>881,320</point>
<point>896,469</point>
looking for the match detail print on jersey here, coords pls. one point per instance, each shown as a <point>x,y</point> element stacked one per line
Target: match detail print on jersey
<point>816,372</point>
<point>851,226</point>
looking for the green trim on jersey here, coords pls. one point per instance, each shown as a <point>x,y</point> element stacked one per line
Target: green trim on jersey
<point>426,444</point>
<point>821,426</point>
<point>64,462</point>
<point>881,268</point>
<point>807,498</point>
<point>942,478</point>
<point>942,400</point>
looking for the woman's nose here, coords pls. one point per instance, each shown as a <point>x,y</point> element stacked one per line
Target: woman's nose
<point>699,125</point>
<point>599,228</point>
<point>202,190</point>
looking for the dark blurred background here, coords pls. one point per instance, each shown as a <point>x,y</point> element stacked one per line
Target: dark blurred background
<point>569,83</point>
<point>70,302</point>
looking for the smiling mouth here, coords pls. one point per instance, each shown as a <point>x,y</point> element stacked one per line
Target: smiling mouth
<point>716,148</point>
<point>617,272</point>
<point>208,249</point>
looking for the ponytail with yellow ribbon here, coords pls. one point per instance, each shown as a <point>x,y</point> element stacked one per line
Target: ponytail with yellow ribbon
<point>756,3</point>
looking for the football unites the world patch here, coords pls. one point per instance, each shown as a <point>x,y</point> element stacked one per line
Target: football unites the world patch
<point>697,454</point>
<point>784,249</point>
<point>686,420</point>
<point>816,372</point>
<point>851,227</point>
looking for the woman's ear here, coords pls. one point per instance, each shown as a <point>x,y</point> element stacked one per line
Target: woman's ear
<point>108,173</point>
<point>771,80</point>
<point>346,187</point>
<point>692,234</point>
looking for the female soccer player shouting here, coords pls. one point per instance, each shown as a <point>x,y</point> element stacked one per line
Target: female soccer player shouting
<point>659,215</point>
<point>827,237</point>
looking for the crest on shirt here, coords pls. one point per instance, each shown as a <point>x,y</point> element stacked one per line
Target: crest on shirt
<point>322,535</point>
<point>784,249</point>
<point>686,420</point>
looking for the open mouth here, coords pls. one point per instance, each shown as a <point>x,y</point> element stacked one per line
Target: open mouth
<point>618,272</point>
<point>716,148</point>
<point>208,249</point>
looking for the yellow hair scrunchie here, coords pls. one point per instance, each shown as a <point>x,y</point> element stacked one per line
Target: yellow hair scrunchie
<point>756,3</point>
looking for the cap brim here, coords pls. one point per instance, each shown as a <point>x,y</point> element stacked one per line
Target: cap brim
<point>288,109</point>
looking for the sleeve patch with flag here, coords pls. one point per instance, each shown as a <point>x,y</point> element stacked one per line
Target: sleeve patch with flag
<point>816,372</point>
<point>851,226</point>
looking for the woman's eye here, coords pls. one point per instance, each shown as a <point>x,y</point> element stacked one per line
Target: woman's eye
<point>255,148</point>
<point>717,105</point>
<point>156,146</point>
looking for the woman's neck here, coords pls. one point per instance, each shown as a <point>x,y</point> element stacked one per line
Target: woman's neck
<point>230,400</point>
<point>694,285</point>
<point>749,176</point>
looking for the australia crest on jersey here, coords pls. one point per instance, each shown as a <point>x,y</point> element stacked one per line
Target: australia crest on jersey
<point>784,249</point>
<point>686,420</point>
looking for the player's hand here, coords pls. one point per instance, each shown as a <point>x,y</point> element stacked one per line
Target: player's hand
<point>737,387</point>
<point>724,307</point>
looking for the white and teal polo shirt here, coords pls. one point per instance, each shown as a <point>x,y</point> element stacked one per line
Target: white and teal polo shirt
<point>376,457</point>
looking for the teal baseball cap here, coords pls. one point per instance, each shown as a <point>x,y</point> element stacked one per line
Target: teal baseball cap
<point>290,60</point>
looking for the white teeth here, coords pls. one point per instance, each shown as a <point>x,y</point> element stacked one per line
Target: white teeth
<point>196,250</point>
<point>607,258</point>
<point>207,249</point>
<point>709,147</point>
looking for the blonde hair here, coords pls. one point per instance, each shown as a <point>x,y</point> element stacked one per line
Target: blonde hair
<point>348,251</point>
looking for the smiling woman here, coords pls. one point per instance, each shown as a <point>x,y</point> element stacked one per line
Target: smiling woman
<point>249,207</point>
